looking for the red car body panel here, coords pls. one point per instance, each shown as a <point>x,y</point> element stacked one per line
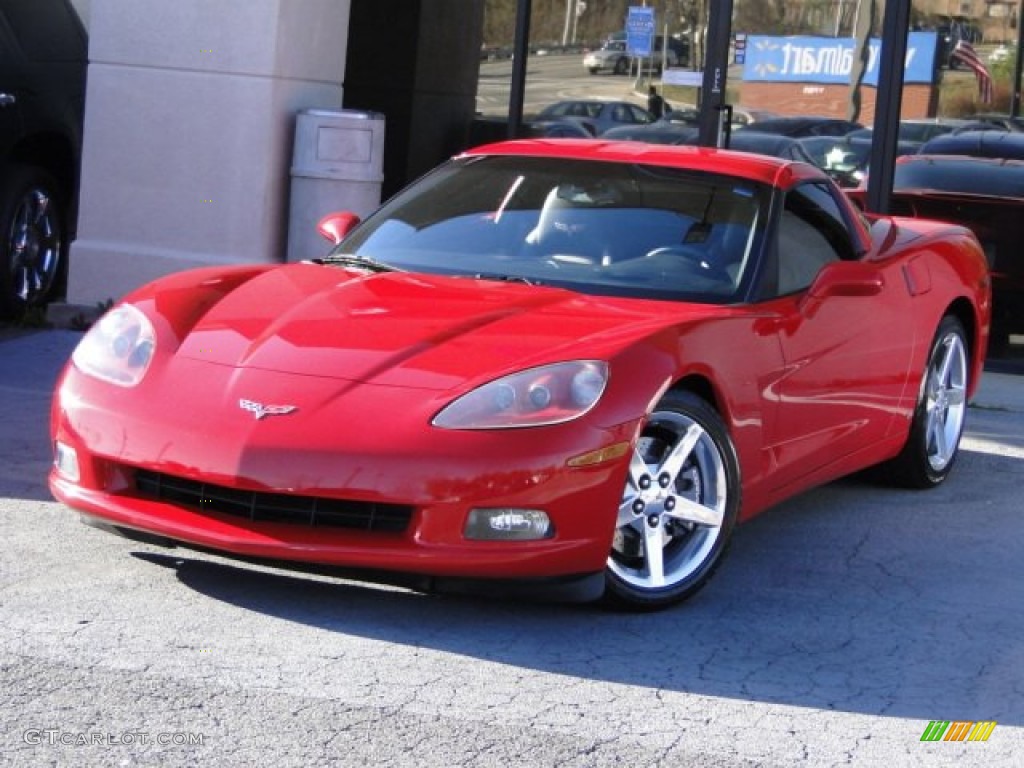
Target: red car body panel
<point>992,213</point>
<point>811,386</point>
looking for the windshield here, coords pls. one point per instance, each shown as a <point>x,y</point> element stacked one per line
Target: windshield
<point>594,227</point>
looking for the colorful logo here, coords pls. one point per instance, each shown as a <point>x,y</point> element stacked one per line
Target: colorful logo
<point>958,730</point>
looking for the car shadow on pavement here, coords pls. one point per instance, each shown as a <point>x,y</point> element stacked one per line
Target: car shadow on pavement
<point>853,597</point>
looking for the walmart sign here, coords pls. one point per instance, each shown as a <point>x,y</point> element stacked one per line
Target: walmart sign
<point>829,59</point>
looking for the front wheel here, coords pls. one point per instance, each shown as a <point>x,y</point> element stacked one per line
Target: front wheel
<point>938,423</point>
<point>678,509</point>
<point>32,239</point>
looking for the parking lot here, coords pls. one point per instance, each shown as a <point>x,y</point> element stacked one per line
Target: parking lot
<point>840,625</point>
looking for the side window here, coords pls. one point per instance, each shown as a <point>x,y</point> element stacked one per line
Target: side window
<point>812,233</point>
<point>638,116</point>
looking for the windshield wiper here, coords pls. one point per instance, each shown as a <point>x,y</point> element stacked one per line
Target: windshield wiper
<point>354,260</point>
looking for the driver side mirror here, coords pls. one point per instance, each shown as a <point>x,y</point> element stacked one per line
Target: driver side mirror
<point>335,226</point>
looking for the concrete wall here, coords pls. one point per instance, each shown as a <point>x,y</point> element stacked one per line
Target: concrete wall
<point>190,113</point>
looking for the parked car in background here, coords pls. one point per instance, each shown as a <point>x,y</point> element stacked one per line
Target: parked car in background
<point>799,126</point>
<point>769,144</point>
<point>982,193</point>
<point>610,57</point>
<point>563,367</point>
<point>846,158</point>
<point>681,116</point>
<point>487,130</point>
<point>613,56</point>
<point>680,128</point>
<point>1006,122</point>
<point>597,116</point>
<point>555,129</point>
<point>673,127</point>
<point>744,116</point>
<point>977,143</point>
<point>919,131</point>
<point>43,56</point>
<point>659,132</point>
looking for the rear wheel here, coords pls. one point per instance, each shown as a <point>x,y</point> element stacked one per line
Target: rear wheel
<point>678,508</point>
<point>32,238</point>
<point>938,422</point>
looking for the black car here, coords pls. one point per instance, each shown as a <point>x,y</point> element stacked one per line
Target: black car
<point>846,158</point>
<point>43,55</point>
<point>985,143</point>
<point>984,194</point>
<point>667,132</point>
<point>798,127</point>
<point>1005,122</point>
<point>595,115</point>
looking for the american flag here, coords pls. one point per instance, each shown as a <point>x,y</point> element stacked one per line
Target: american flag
<point>964,52</point>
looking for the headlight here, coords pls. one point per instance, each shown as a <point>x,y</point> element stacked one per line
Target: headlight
<point>118,348</point>
<point>550,394</point>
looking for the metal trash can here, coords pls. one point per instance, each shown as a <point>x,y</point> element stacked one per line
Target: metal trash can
<point>337,165</point>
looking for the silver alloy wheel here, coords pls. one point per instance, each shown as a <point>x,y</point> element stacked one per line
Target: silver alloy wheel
<point>945,400</point>
<point>673,506</point>
<point>34,245</point>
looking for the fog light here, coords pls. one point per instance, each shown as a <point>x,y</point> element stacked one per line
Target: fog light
<point>504,524</point>
<point>66,461</point>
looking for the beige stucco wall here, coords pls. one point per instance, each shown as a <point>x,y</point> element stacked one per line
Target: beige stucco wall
<point>189,121</point>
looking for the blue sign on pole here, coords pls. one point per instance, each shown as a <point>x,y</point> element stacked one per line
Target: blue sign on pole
<point>640,31</point>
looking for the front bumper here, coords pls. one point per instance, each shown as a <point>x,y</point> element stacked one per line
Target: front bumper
<point>439,475</point>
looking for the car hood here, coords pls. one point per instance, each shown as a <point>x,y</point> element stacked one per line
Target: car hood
<point>412,330</point>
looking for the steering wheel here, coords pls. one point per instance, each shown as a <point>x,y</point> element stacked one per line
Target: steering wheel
<point>698,261</point>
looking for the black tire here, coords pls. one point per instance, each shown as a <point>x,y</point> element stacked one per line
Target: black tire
<point>621,66</point>
<point>933,442</point>
<point>684,502</point>
<point>33,238</point>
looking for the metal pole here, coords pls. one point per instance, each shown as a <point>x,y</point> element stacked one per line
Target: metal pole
<point>895,24</point>
<point>521,52</point>
<point>716,68</point>
<point>1015,89</point>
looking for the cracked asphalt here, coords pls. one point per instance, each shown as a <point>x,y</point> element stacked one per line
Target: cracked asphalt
<point>840,624</point>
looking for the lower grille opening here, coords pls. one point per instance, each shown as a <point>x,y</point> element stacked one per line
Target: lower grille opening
<point>273,507</point>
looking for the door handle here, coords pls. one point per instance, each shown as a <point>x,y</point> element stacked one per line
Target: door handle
<point>7,99</point>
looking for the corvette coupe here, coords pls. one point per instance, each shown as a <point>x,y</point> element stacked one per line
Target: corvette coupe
<point>568,367</point>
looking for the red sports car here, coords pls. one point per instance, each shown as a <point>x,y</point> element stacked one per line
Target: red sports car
<point>564,366</point>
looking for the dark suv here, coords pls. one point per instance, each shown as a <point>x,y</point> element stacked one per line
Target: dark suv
<point>43,56</point>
